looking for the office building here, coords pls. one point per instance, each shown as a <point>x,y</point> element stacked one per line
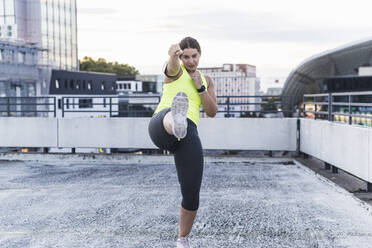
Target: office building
<point>19,77</point>
<point>236,81</point>
<point>48,24</point>
<point>274,91</point>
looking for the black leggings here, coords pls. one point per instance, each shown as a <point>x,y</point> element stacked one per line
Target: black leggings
<point>188,157</point>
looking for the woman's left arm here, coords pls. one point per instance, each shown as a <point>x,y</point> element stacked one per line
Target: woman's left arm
<point>209,99</point>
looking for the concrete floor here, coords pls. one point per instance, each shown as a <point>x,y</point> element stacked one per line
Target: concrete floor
<point>350,183</point>
<point>244,203</point>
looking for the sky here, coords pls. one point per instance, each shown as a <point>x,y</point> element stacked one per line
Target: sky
<point>275,36</point>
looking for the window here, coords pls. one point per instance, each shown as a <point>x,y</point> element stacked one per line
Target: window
<point>103,85</point>
<point>78,85</point>
<point>86,103</point>
<point>21,57</point>
<point>72,84</point>
<point>90,85</point>
<point>9,34</point>
<point>10,28</point>
<point>57,83</point>
<point>11,56</point>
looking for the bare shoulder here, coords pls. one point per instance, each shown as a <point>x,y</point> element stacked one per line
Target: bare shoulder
<point>168,80</point>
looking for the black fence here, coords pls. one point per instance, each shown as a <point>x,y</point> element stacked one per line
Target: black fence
<point>134,106</point>
<point>27,106</point>
<point>346,107</point>
<point>128,106</point>
<point>253,106</point>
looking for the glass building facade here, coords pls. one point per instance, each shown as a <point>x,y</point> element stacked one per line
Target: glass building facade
<point>59,33</point>
<point>7,19</point>
<point>51,24</point>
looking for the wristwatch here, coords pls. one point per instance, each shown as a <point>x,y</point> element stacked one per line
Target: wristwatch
<point>202,89</point>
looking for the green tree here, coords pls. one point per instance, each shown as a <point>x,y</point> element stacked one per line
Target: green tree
<point>101,65</point>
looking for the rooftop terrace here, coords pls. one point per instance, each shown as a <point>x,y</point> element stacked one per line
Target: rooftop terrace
<point>133,201</point>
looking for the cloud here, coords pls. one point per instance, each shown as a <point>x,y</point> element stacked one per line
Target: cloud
<point>257,27</point>
<point>97,11</point>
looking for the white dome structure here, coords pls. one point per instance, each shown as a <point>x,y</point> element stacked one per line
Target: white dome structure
<point>307,77</point>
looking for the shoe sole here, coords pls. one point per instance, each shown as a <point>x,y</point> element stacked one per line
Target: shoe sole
<point>180,105</point>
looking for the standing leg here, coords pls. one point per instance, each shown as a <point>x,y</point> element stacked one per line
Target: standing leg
<point>187,218</point>
<point>189,164</point>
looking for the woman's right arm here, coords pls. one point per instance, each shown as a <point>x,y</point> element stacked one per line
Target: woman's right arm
<point>173,66</point>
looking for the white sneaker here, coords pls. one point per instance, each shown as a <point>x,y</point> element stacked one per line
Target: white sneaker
<point>183,242</point>
<point>180,105</point>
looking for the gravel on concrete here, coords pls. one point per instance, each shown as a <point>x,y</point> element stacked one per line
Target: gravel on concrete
<point>243,204</point>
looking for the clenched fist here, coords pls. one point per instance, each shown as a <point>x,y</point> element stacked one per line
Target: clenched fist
<point>175,50</point>
<point>196,78</point>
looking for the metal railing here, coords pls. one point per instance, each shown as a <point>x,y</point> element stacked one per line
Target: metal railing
<point>253,106</point>
<point>27,106</point>
<point>133,106</point>
<point>346,107</point>
<point>114,106</point>
<point>127,106</point>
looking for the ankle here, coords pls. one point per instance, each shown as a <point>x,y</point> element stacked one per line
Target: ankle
<point>183,235</point>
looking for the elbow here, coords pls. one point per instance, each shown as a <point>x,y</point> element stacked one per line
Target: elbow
<point>212,113</point>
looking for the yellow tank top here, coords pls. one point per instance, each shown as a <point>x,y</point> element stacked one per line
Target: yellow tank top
<point>184,84</point>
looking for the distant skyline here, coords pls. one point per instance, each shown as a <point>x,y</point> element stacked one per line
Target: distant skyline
<point>276,36</point>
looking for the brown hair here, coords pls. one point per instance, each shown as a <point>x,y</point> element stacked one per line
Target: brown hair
<point>190,42</point>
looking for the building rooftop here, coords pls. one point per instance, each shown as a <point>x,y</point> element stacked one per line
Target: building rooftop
<point>133,201</point>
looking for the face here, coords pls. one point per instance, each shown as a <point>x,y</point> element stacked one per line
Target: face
<point>190,58</point>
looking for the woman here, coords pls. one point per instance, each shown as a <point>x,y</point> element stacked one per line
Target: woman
<point>173,126</point>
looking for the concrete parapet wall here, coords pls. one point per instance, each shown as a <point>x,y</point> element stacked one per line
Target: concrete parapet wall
<point>217,133</point>
<point>244,134</point>
<point>104,132</point>
<point>249,133</point>
<point>28,132</point>
<point>344,146</point>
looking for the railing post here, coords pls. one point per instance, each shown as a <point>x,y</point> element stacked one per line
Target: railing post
<point>304,109</point>
<point>350,111</point>
<point>330,109</point>
<point>8,106</point>
<point>327,166</point>
<point>63,107</point>
<point>55,107</point>
<point>228,106</point>
<point>110,106</point>
<point>315,108</point>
